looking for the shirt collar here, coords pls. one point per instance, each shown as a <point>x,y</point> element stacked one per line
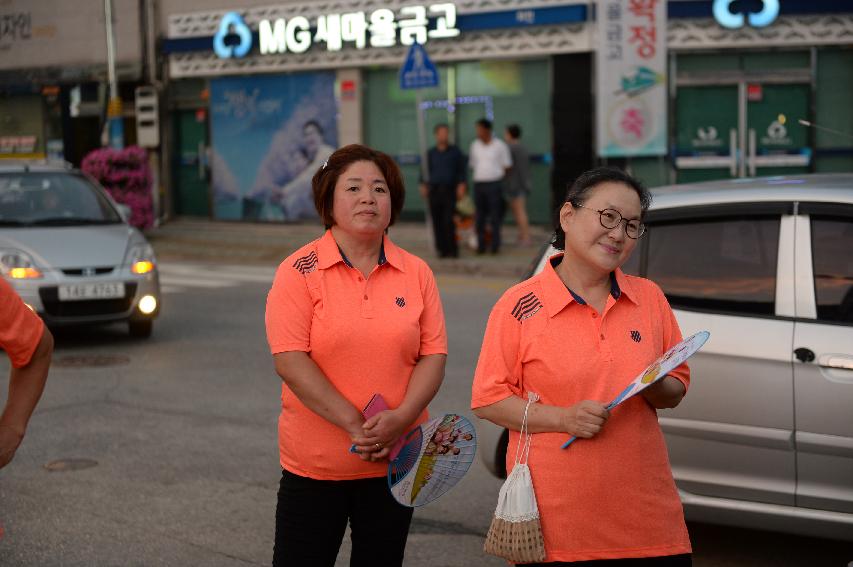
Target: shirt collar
<point>556,298</point>
<point>329,253</point>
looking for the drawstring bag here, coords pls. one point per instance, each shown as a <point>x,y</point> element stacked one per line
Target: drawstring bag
<point>515,533</point>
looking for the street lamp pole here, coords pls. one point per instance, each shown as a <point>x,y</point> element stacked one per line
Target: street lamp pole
<point>115,122</point>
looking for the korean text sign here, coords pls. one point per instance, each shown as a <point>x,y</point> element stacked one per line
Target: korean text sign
<point>631,67</point>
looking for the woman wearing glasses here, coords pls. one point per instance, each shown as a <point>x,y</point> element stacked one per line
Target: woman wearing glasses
<point>576,334</point>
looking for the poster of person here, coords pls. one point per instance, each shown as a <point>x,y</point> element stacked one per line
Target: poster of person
<point>269,136</point>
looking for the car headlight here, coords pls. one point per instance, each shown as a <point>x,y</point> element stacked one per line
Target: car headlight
<point>141,259</point>
<point>18,265</point>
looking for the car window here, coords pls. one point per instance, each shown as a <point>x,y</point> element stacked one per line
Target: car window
<point>832,259</point>
<point>726,265</point>
<point>34,198</point>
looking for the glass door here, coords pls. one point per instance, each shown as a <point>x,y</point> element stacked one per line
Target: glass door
<point>743,129</point>
<point>192,195</point>
<point>706,141</point>
<point>777,143</point>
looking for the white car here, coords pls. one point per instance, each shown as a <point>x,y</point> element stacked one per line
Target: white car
<point>67,250</point>
<point>764,438</point>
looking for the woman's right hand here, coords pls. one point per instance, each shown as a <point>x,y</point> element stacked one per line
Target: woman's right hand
<point>585,419</point>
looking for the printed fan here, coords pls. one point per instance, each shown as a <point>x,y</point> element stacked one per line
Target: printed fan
<point>434,457</point>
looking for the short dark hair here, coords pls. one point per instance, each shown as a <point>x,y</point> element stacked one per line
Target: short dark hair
<point>324,180</point>
<point>315,124</point>
<point>514,131</point>
<point>485,123</point>
<point>579,191</point>
<point>438,126</point>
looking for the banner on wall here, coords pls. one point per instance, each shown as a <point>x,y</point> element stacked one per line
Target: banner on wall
<point>631,99</point>
<point>269,136</point>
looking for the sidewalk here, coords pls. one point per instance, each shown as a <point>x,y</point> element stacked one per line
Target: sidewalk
<point>199,240</point>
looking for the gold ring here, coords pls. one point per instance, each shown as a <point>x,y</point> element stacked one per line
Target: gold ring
<point>379,445</point>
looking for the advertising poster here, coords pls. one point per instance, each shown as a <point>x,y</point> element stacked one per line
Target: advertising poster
<point>631,96</point>
<point>269,136</point>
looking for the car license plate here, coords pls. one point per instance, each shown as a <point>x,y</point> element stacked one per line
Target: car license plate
<point>91,291</point>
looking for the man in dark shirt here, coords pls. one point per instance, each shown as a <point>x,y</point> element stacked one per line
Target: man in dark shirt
<point>446,184</point>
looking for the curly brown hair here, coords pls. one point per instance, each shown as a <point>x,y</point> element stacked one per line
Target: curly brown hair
<point>324,181</point>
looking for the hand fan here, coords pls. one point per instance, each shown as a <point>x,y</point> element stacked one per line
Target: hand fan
<point>670,360</point>
<point>434,457</point>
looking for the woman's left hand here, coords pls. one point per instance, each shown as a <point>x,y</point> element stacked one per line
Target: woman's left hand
<point>380,432</point>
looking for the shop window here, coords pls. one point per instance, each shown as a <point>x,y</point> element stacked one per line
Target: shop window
<point>724,265</point>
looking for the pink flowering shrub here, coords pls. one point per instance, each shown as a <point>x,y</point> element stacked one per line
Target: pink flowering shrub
<point>126,176</point>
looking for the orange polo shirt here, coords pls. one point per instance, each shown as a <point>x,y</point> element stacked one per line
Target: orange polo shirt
<point>366,335</point>
<point>611,496</point>
<point>20,328</point>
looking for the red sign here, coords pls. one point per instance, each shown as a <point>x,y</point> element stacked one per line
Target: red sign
<point>754,93</point>
<point>348,89</point>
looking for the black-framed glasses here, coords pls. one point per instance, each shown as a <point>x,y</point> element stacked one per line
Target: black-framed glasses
<point>610,218</point>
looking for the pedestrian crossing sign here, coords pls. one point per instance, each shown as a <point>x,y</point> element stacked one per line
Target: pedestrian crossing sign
<point>418,72</point>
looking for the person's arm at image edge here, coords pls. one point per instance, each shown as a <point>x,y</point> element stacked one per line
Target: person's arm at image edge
<point>26,385</point>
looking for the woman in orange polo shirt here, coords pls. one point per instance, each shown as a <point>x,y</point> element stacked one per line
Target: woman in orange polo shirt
<point>350,315</point>
<point>576,334</point>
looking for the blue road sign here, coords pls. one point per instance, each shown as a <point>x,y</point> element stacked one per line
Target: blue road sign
<point>418,72</point>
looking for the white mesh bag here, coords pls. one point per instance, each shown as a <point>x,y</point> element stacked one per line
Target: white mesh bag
<point>515,533</point>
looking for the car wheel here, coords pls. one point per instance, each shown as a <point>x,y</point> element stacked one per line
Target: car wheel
<point>140,329</point>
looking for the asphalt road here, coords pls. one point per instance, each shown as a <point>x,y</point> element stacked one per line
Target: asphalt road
<point>166,448</point>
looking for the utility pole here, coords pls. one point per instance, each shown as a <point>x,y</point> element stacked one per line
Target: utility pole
<point>115,123</point>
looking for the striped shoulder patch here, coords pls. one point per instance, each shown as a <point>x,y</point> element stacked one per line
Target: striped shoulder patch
<point>306,264</point>
<point>526,307</point>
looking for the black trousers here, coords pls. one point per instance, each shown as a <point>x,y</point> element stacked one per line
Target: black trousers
<point>685,560</point>
<point>489,203</point>
<point>312,516</point>
<point>442,206</point>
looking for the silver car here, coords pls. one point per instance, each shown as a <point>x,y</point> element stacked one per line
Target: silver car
<point>67,250</point>
<point>764,438</point>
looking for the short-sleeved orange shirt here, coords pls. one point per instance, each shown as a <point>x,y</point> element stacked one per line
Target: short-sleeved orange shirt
<point>611,496</point>
<point>366,335</point>
<point>20,328</point>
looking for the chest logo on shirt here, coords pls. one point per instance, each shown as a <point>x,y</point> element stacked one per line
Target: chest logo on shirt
<point>306,264</point>
<point>636,336</point>
<point>401,302</point>
<point>526,307</point>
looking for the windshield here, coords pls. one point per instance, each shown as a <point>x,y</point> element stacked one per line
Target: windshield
<point>52,199</point>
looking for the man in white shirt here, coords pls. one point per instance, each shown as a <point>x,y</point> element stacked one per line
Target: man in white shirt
<point>490,161</point>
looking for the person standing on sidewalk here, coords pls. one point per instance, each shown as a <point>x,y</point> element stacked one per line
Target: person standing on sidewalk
<point>572,334</point>
<point>490,161</point>
<point>350,315</point>
<point>517,185</point>
<point>446,185</point>
<point>29,345</point>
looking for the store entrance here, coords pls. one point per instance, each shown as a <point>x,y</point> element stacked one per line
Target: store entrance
<point>746,128</point>
<point>191,196</point>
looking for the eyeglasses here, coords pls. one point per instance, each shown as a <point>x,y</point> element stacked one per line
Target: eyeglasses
<point>611,218</point>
